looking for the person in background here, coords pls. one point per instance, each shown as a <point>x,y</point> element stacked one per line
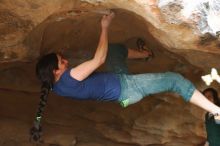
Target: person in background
<point>212,128</point>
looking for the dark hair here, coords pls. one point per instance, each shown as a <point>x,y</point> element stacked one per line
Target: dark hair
<point>45,68</point>
<point>44,71</point>
<point>214,95</point>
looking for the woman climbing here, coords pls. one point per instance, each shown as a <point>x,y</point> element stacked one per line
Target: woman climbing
<point>82,82</point>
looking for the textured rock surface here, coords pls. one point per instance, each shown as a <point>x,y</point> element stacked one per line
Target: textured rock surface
<point>30,28</point>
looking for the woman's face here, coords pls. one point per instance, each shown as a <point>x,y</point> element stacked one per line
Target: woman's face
<point>62,62</point>
<point>209,96</point>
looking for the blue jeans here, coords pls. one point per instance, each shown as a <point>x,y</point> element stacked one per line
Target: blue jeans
<point>135,87</point>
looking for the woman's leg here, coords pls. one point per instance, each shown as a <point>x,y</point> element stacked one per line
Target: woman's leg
<point>200,100</point>
<point>116,59</point>
<point>145,84</point>
<point>135,87</point>
<point>140,50</point>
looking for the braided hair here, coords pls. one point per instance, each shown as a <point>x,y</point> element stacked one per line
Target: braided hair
<point>44,71</point>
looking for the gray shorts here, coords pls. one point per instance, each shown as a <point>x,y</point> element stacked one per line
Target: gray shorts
<point>116,59</point>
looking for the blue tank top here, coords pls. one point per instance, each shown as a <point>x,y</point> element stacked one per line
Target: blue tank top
<point>98,86</point>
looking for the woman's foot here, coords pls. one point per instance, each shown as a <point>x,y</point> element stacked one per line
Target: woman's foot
<point>142,47</point>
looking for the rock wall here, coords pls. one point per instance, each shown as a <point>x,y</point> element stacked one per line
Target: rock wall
<point>29,29</point>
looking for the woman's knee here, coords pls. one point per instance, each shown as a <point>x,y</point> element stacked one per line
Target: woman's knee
<point>182,86</point>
